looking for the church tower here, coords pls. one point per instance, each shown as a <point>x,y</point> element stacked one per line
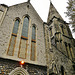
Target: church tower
<point>59,44</point>
<point>29,46</point>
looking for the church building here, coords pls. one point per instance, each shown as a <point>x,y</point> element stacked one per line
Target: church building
<point>29,46</point>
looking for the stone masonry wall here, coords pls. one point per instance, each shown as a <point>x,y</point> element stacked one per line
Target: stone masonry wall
<point>59,59</point>
<point>6,66</point>
<point>20,10</point>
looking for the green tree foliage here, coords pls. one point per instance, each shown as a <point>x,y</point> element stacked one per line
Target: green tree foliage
<point>71,13</point>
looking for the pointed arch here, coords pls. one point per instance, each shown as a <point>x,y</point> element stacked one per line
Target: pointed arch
<point>13,37</point>
<point>19,71</point>
<point>33,42</point>
<point>26,15</point>
<point>25,27</point>
<point>33,33</point>
<point>24,38</point>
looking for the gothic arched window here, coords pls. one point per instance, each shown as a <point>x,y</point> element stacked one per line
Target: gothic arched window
<point>34,33</point>
<point>13,38</point>
<point>33,43</point>
<point>25,27</point>
<point>24,38</point>
<point>15,29</point>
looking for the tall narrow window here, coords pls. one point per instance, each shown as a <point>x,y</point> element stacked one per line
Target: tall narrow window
<point>62,28</point>
<point>24,38</point>
<point>51,31</point>
<point>33,43</point>
<point>66,49</point>
<point>71,51</point>
<point>62,70</point>
<point>13,38</point>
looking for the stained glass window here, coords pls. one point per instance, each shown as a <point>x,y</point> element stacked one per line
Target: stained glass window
<point>25,27</point>
<point>33,43</point>
<point>15,29</point>
<point>13,38</point>
<point>11,47</point>
<point>33,51</point>
<point>24,38</point>
<point>33,33</point>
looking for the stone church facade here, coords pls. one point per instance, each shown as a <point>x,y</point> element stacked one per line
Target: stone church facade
<point>47,48</point>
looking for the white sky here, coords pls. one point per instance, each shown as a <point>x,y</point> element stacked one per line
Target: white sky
<point>42,7</point>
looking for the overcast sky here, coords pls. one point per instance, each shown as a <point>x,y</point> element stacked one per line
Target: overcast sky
<point>42,7</point>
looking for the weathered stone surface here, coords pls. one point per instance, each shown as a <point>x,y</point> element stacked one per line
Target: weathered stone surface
<point>6,28</point>
<point>6,66</point>
<point>54,46</point>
